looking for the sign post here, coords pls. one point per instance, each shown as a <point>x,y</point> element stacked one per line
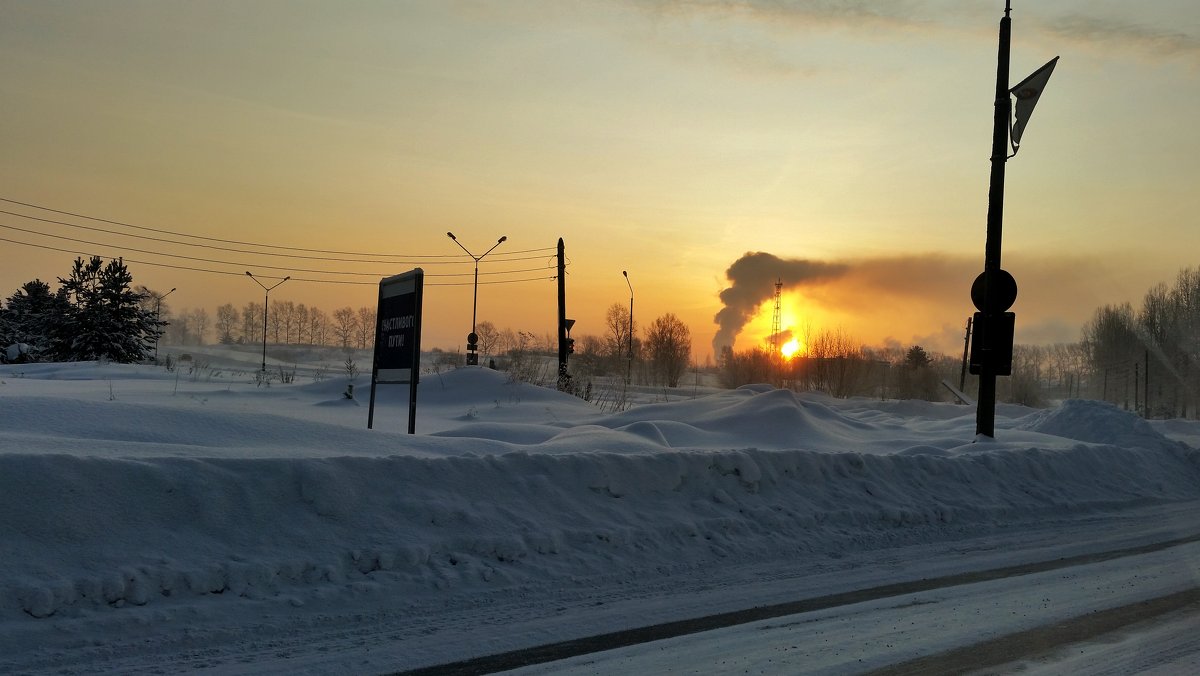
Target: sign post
<point>397,358</point>
<point>994,290</point>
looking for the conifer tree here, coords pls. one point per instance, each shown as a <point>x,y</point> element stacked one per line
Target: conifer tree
<point>29,317</point>
<point>106,319</point>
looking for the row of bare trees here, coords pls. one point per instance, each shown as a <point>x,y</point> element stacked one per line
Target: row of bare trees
<point>834,363</point>
<point>660,356</point>
<point>287,323</point>
<point>1148,359</point>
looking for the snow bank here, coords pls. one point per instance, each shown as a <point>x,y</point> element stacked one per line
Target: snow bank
<point>225,490</point>
<point>89,533</point>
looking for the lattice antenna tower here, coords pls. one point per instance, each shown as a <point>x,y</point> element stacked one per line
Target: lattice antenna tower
<point>777,318</point>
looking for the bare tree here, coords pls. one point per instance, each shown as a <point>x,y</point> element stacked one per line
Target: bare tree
<point>275,323</point>
<point>617,321</point>
<point>489,337</point>
<point>178,329</point>
<point>744,368</point>
<point>227,323</point>
<point>508,341</point>
<point>287,312</point>
<point>317,326</point>
<point>669,344</point>
<point>252,327</point>
<point>364,330</point>
<point>836,363</point>
<point>199,325</point>
<point>344,323</point>
<point>302,330</point>
<point>588,359</point>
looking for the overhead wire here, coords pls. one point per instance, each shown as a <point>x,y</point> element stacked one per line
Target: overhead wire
<point>238,274</point>
<point>396,259</point>
<point>243,243</point>
<point>501,256</point>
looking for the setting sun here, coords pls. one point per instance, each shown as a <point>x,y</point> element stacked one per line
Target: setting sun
<point>790,348</point>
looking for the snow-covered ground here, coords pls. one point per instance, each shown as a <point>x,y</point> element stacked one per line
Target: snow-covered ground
<point>156,521</point>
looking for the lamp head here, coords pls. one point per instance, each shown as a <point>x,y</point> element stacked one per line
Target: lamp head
<point>248,274</point>
<point>623,272</point>
<point>501,240</point>
<point>451,236</point>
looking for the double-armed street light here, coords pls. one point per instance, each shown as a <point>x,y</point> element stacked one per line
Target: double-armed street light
<point>472,339</point>
<point>629,370</point>
<point>266,298</point>
<point>157,311</point>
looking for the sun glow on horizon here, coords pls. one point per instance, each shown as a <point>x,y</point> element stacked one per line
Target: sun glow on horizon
<point>790,349</point>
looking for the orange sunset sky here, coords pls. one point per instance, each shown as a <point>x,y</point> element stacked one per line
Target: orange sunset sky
<point>668,139</point>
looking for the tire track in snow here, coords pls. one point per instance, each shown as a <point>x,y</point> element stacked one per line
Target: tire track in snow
<point>1010,649</point>
<point>620,639</point>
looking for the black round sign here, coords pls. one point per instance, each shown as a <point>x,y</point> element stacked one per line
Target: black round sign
<point>472,338</point>
<point>1003,286</point>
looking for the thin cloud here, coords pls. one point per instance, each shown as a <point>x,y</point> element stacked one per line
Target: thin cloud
<point>856,14</point>
<point>1113,32</point>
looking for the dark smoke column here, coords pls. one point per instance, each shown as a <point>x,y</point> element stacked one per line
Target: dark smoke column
<point>752,282</point>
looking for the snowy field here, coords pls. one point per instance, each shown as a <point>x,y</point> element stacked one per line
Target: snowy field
<point>193,520</point>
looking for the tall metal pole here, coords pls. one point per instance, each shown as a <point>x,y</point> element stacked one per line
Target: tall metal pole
<point>157,312</point>
<point>266,296</point>
<point>629,370</point>
<point>985,412</point>
<point>962,379</point>
<point>472,356</point>
<point>266,299</point>
<point>564,379</point>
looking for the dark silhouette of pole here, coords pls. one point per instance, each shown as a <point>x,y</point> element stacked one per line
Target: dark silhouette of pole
<point>157,312</point>
<point>472,356</point>
<point>1146,385</point>
<point>962,378</point>
<point>629,370</point>
<point>266,299</point>
<point>985,412</point>
<point>564,379</point>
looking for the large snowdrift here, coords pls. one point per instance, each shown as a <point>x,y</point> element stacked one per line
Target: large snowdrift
<point>119,487</point>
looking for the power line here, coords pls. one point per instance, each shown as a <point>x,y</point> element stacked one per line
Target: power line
<point>231,241</point>
<point>509,254</point>
<point>239,274</point>
<point>243,264</point>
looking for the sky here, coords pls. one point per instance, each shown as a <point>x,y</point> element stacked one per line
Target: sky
<point>665,139</point>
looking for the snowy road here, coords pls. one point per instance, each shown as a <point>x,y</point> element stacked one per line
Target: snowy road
<point>899,630</point>
<point>929,625</point>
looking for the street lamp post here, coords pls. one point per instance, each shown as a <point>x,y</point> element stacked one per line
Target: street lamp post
<point>629,370</point>
<point>157,311</point>
<point>266,298</point>
<point>472,355</point>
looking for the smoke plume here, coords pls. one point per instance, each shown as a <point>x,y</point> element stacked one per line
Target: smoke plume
<point>752,281</point>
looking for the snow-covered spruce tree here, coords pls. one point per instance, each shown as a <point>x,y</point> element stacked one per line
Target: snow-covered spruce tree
<point>29,317</point>
<point>107,319</point>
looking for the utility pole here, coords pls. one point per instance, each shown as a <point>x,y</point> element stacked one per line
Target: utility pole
<point>962,378</point>
<point>629,371</point>
<point>157,313</point>
<point>472,337</point>
<point>994,290</point>
<point>565,344</point>
<point>266,299</point>
<point>988,329</point>
<point>776,329</point>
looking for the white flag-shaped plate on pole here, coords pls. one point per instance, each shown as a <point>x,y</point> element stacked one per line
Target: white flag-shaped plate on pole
<point>1027,92</point>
